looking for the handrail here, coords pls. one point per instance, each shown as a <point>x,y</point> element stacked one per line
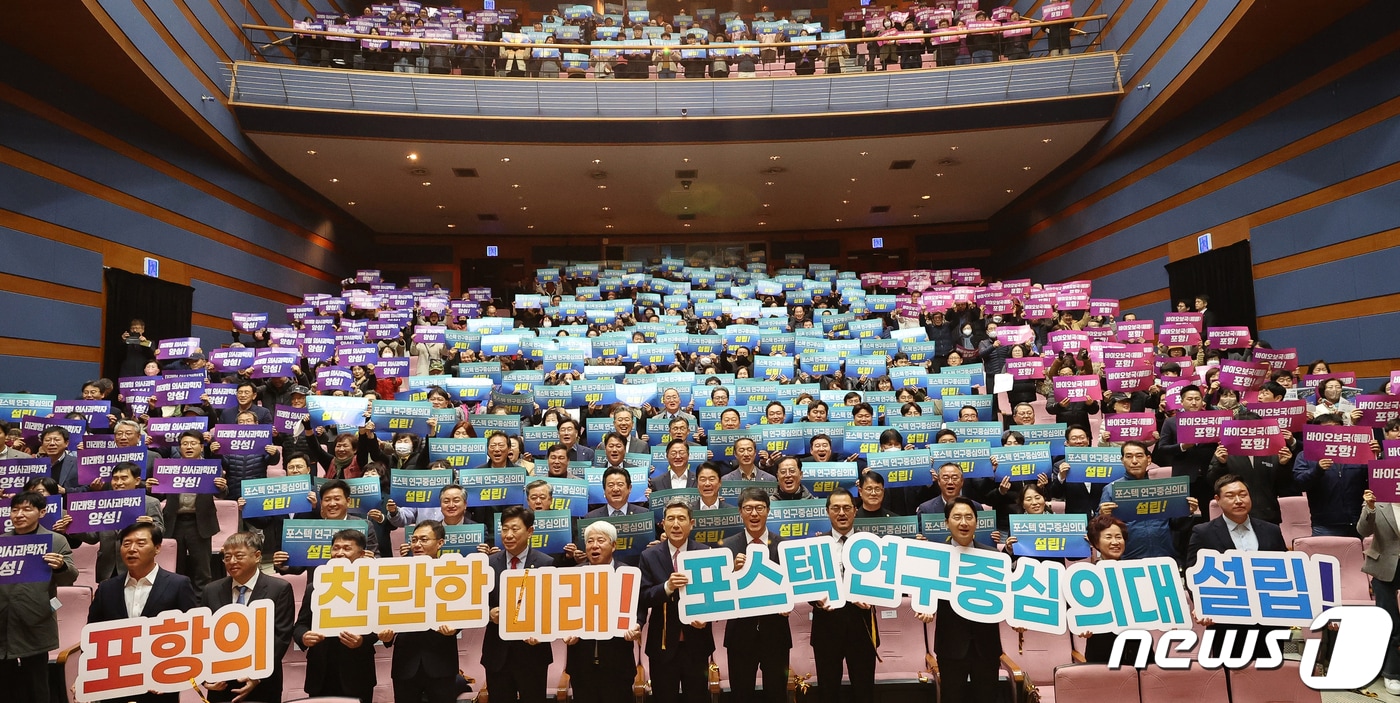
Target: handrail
<point>581,48</point>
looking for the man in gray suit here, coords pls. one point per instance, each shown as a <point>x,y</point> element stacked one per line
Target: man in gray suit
<point>678,473</point>
<point>244,584</point>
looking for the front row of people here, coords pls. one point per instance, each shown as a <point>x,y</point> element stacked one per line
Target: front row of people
<point>425,664</point>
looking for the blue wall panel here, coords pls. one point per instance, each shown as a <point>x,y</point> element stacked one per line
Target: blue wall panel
<point>1355,339</point>
<point>32,317</point>
<point>211,299</point>
<point>60,377</point>
<point>1352,278</point>
<point>1360,215</point>
<point>68,265</point>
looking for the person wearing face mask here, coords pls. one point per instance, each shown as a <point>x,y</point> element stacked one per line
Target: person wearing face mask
<point>992,353</point>
<point>967,342</point>
<point>408,452</point>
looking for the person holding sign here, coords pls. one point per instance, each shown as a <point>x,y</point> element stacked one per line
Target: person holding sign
<point>617,486</point>
<point>28,625</point>
<point>342,665</point>
<point>425,663</point>
<point>126,476</point>
<point>790,485</point>
<point>761,642</point>
<point>745,458</point>
<point>950,486</point>
<point>679,654</point>
<point>63,464</point>
<point>1108,541</point>
<point>678,473</point>
<point>968,652</point>
<point>515,668</point>
<point>601,671</point>
<point>245,583</point>
<point>1186,458</point>
<point>192,517</point>
<point>1382,524</point>
<point>707,481</point>
<point>1333,488</point>
<point>847,633</point>
<point>246,393</point>
<point>1079,497</point>
<point>872,496</point>
<point>1152,537</point>
<point>1268,476</point>
<point>333,504</point>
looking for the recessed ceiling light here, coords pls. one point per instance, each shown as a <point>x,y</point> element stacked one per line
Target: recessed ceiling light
<point>767,205</point>
<point>865,153</point>
<point>442,207</point>
<point>427,183</point>
<point>1008,190</point>
<point>335,180</point>
<point>916,214</point>
<point>925,197</point>
<point>853,180</point>
<point>505,160</point>
<point>351,203</point>
<point>685,161</point>
<point>838,219</point>
<point>311,152</point>
<point>687,224</point>
<point>454,226</point>
<point>606,208</point>
<point>845,202</point>
<point>952,148</point>
<point>768,183</point>
<point>685,207</point>
<point>1025,168</point>
<point>597,161</point>
<point>602,187</point>
<point>939,175</point>
<point>412,157</point>
<point>1047,141</point>
<point>529,226</point>
<point>762,223</point>
<point>774,158</point>
<point>607,226</point>
<point>515,185</point>
<point>524,207</point>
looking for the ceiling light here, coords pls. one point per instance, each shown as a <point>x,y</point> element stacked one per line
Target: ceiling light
<point>687,224</point>
<point>774,158</point>
<point>442,207</point>
<point>1008,190</point>
<point>335,180</point>
<point>838,219</point>
<point>845,202</point>
<point>685,161</point>
<point>607,226</point>
<point>1025,168</point>
<point>1047,141</point>
<point>853,180</point>
<point>351,203</point>
<point>505,160</point>
<point>602,187</point>
<point>767,205</point>
<point>952,148</point>
<point>685,207</point>
<point>454,226</point>
<point>529,226</point>
<point>412,157</point>
<point>515,185</point>
<point>925,197</point>
<point>427,183</point>
<point>916,214</point>
<point>311,152</point>
<point>524,207</point>
<point>768,183</point>
<point>865,153</point>
<point>606,208</point>
<point>597,161</point>
<point>762,223</point>
<point>939,175</point>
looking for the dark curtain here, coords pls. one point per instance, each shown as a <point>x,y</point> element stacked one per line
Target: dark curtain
<point>164,306</point>
<point>1226,275</point>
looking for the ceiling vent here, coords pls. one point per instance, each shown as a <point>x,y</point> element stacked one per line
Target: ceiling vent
<point>487,217</point>
<point>597,175</point>
<point>773,170</point>
<point>877,209</point>
<point>903,165</point>
<point>687,173</point>
<point>464,172</point>
<point>948,162</point>
<point>418,171</point>
<point>686,216</point>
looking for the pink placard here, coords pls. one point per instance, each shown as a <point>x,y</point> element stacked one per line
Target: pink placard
<point>1201,427</point>
<point>1376,410</point>
<point>1180,319</point>
<point>1126,355</point>
<point>1182,361</point>
<point>1072,301</point>
<point>967,276</point>
<point>1277,359</point>
<point>1103,307</point>
<point>1129,380</point>
<point>1228,337</point>
<point>1243,376</point>
<point>1384,480</point>
<point>1179,336</point>
<point>1076,389</point>
<point>1251,437</point>
<point>1290,415</point>
<point>1057,11</point>
<point>1026,369</point>
<point>1008,335</point>
<point>1072,341</point>
<point>1394,386</point>
<point>1171,390</point>
<point>1038,310</point>
<point>1347,445</point>
<point>1347,379</point>
<point>999,306</point>
<point>936,302</point>
<point>1123,427</point>
<point>1137,330</point>
<point>1390,449</point>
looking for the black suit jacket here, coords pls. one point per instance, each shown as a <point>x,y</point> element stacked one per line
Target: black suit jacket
<point>1216,535</point>
<point>764,631</point>
<point>956,637</point>
<point>206,516</point>
<point>849,626</point>
<point>496,653</point>
<point>330,660</point>
<point>660,612</point>
<point>219,593</point>
<point>613,656</point>
<point>629,509</point>
<point>170,591</point>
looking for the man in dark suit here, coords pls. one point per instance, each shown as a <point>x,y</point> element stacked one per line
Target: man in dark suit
<point>1268,477</point>
<point>63,464</point>
<point>678,473</point>
<point>144,590</point>
<point>1185,458</point>
<point>968,652</point>
<point>761,642</point>
<point>678,653</point>
<point>343,665</point>
<point>191,518</point>
<point>847,633</point>
<point>245,583</point>
<point>617,486</point>
<point>569,433</point>
<point>601,671</point>
<point>517,668</point>
<point>1080,498</point>
<point>1235,529</point>
<point>425,663</point>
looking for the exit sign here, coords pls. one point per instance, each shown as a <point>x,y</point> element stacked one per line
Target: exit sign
<point>492,251</point>
<point>152,267</point>
<point>1203,243</point>
<point>877,242</point>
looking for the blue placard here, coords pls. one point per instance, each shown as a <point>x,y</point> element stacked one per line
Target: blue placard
<point>1052,434</point>
<point>983,404</point>
<point>797,519</point>
<point>634,532</point>
<point>391,417</point>
<point>342,412</point>
<point>538,440</point>
<point>934,527</point>
<point>712,527</point>
<point>419,489</point>
<point>920,431</point>
<point>570,494</point>
<point>283,495</point>
<point>823,477</point>
<point>864,441</point>
<point>594,392</point>
<point>909,467</point>
<point>487,425</point>
<point>488,487</point>
<point>1055,536</point>
<point>463,539</point>
<point>638,474</point>
<point>1094,464</point>
<point>458,453</point>
<point>308,542</point>
<point>788,439</point>
<point>365,493</point>
<point>989,432</point>
<point>553,530</point>
<point>1021,463</point>
<point>1151,499</point>
<point>973,457</point>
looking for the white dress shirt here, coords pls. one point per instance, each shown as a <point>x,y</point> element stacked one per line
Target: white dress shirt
<point>678,480</point>
<point>252,581</point>
<point>1242,534</point>
<point>138,591</point>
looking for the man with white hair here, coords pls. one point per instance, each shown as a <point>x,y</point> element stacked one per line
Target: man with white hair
<point>601,670</point>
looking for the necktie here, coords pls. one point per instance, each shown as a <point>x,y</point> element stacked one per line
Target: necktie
<point>676,561</point>
<point>515,562</point>
<point>756,541</point>
<point>615,511</point>
<point>242,595</point>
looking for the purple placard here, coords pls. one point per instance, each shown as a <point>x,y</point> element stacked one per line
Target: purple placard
<point>318,349</point>
<point>99,441</point>
<point>22,557</point>
<point>1103,307</point>
<point>178,391</point>
<point>1193,320</point>
<point>334,378</point>
<point>14,473</point>
<point>480,295</point>
<point>222,396</point>
<point>187,475</point>
<point>1038,310</point>
<point>392,367</point>
<point>1057,11</point>
<point>1072,301</point>
<point>400,300</point>
<point>357,354</point>
<point>284,418</point>
<point>1277,359</point>
<point>1390,449</point>
<point>1122,356</point>
<point>432,304</point>
<point>31,427</point>
<point>249,321</point>
<point>331,306</point>
<point>137,387</point>
<point>1136,331</point>
<point>242,439</point>
<point>1290,415</point>
<point>232,358</point>
<point>1384,480</point>
<point>274,363</point>
<point>96,411</point>
<point>1251,437</point>
<point>97,464</point>
<point>1123,427</point>
<point>1178,336</point>
<point>1129,380</point>
<point>1076,388</point>
<point>377,330</point>
<point>1072,341</point>
<point>297,313</point>
<point>1376,410</point>
<point>1228,337</point>
<point>430,334</point>
<point>97,511</point>
<point>1347,445</point>
<point>176,348</point>
<point>466,308</point>
<point>165,431</point>
<point>1201,427</point>
<point>1243,376</point>
<point>420,282</point>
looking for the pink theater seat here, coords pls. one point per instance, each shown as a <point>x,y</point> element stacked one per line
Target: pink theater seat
<point>1097,682</point>
<point>720,656</point>
<point>1297,518</point>
<point>902,647</point>
<point>801,661</point>
<point>85,559</point>
<point>1032,657</point>
<point>1214,509</point>
<point>1057,507</point>
<point>1281,685</point>
<point>469,656</point>
<point>228,523</point>
<point>72,616</point>
<point>383,679</point>
<point>1197,685</point>
<point>298,582</point>
<point>1356,587</point>
<point>1159,472</point>
<point>165,558</point>
<point>556,681</point>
